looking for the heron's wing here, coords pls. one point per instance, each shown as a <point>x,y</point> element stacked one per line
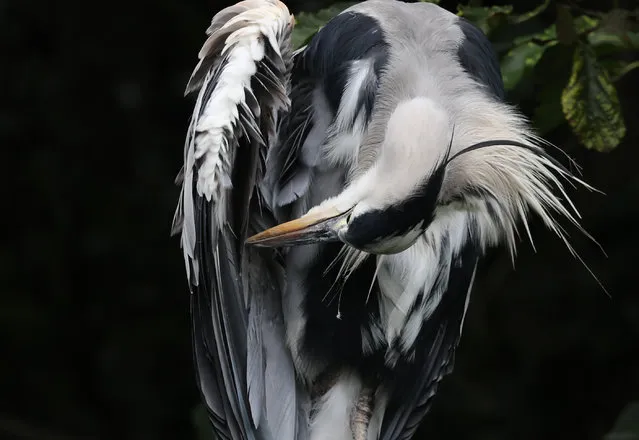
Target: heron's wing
<point>417,384</point>
<point>245,373</point>
<point>335,79</point>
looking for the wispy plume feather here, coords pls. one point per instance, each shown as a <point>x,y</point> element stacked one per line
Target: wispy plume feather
<point>514,178</point>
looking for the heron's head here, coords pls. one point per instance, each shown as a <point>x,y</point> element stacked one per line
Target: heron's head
<point>389,206</point>
<point>422,171</point>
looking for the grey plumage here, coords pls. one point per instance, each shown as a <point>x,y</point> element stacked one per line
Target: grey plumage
<point>479,59</point>
<point>237,330</point>
<point>371,140</point>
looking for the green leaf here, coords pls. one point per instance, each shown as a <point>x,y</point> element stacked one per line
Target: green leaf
<point>616,20</point>
<point>568,29</point>
<point>487,18</point>
<point>607,42</point>
<point>526,52</point>
<point>430,1</point>
<point>590,103</point>
<point>521,59</point>
<point>548,35</point>
<point>308,23</point>
<point>627,424</point>
<point>618,68</point>
<point>516,19</point>
<point>584,24</point>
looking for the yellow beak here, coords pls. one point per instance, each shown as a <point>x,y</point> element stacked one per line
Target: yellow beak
<point>315,227</point>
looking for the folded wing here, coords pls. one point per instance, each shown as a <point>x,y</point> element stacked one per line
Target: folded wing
<point>245,373</point>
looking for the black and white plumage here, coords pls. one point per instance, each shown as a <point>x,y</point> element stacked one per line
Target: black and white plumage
<point>386,150</point>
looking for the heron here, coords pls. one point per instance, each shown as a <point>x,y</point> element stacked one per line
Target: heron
<point>335,203</point>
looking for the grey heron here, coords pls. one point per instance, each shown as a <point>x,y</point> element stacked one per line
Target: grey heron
<point>335,202</point>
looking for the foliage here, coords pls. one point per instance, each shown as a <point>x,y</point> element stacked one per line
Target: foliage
<point>590,102</point>
<point>307,24</point>
<point>602,45</point>
<point>488,18</point>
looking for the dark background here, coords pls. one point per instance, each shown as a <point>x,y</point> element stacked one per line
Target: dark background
<point>94,327</point>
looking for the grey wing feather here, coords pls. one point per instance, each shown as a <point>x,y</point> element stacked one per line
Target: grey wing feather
<point>287,176</point>
<point>280,388</point>
<point>322,73</point>
<point>244,370</point>
<point>255,359</point>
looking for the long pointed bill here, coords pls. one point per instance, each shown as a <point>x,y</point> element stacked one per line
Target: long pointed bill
<point>311,228</point>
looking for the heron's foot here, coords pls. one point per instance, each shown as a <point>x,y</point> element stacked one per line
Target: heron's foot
<point>362,413</point>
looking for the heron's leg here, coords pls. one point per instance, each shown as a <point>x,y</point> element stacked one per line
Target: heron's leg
<point>362,412</point>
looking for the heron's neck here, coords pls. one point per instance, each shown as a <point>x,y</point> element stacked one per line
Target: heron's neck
<point>404,182</point>
<point>416,140</point>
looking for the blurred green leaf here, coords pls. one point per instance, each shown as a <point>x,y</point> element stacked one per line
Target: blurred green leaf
<point>623,68</point>
<point>590,103</point>
<point>526,52</point>
<point>568,28</point>
<point>308,23</point>
<point>627,424</point>
<point>546,36</point>
<point>487,18</point>
<point>606,42</point>
<point>549,35</point>
<point>430,1</point>
<point>616,20</point>
<point>520,59</point>
<point>516,19</point>
<point>618,68</point>
<point>584,24</point>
